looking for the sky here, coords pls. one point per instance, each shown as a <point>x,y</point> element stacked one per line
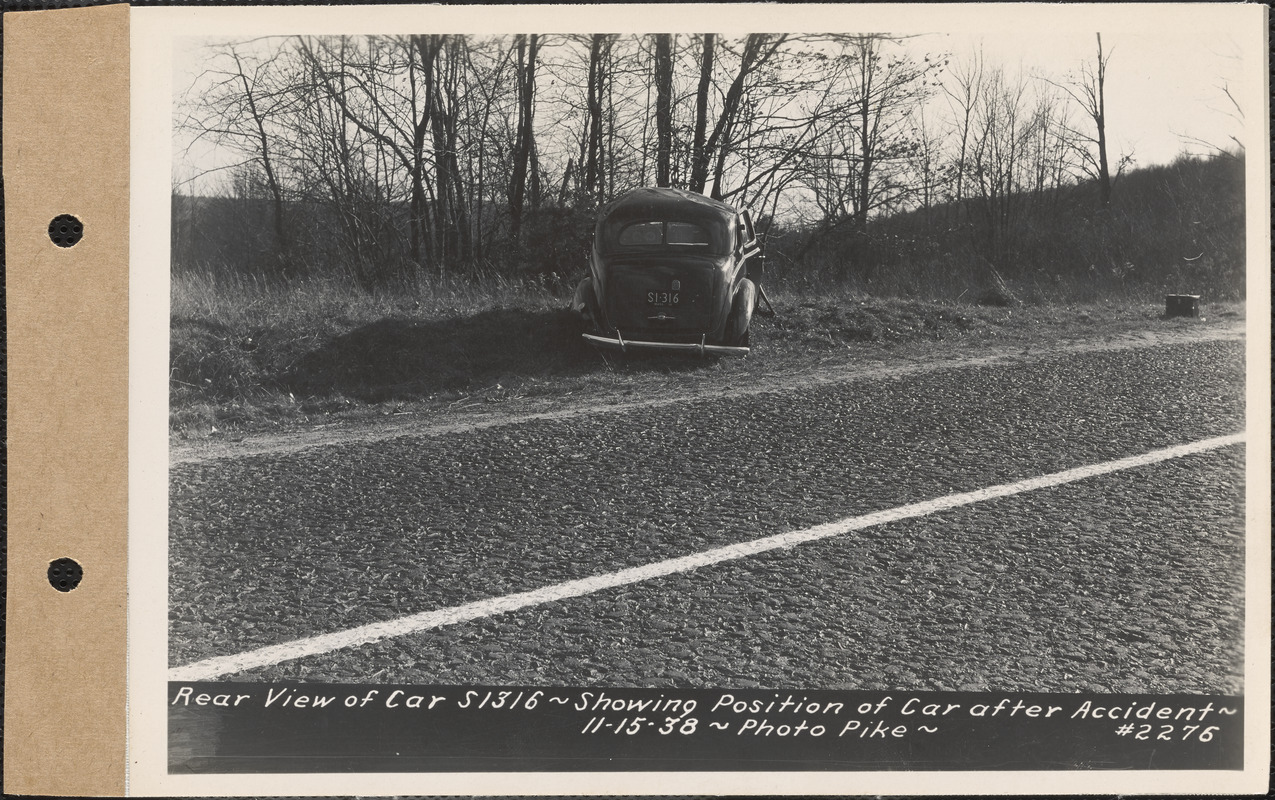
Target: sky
<point>1161,88</point>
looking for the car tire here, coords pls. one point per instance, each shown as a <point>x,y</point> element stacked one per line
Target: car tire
<point>741,314</point>
<point>585,304</point>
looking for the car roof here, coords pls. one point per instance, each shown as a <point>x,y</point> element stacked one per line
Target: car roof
<point>653,203</point>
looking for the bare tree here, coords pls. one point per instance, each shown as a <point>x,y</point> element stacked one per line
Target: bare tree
<point>524,144</point>
<point>963,90</point>
<point>710,150</point>
<point>929,175</point>
<point>757,52</point>
<point>886,88</point>
<point>1050,158</point>
<point>1088,89</point>
<point>240,110</point>
<point>1002,132</point>
<point>786,106</point>
<point>442,74</point>
<point>861,164</point>
<point>593,143</point>
<point>357,81</point>
<point>487,137</point>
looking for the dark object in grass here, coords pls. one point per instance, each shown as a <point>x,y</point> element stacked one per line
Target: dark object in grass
<point>995,297</point>
<point>1182,305</point>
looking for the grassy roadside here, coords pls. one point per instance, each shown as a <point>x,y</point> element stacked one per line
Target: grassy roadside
<point>250,358</point>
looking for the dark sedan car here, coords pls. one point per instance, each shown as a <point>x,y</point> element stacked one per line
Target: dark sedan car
<point>670,270</point>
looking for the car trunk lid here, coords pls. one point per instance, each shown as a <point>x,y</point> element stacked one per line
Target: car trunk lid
<point>664,295</point>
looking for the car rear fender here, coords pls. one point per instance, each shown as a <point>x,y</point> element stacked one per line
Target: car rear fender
<point>741,313</point>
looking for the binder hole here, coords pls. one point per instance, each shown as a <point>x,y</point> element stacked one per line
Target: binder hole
<point>65,574</point>
<point>65,230</point>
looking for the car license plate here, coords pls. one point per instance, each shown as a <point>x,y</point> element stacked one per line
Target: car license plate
<point>662,298</point>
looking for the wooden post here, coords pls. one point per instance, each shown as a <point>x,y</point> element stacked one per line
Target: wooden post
<point>1182,305</point>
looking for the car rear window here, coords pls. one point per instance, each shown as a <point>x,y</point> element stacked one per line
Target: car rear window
<point>652,233</point>
<point>641,234</point>
<point>686,233</point>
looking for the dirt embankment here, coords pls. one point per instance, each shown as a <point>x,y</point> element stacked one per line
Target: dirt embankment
<point>789,355</point>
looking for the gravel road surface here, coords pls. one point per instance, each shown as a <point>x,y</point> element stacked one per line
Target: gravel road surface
<point>1126,582</point>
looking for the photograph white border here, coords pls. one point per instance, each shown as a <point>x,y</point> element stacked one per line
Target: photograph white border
<point>153,33</point>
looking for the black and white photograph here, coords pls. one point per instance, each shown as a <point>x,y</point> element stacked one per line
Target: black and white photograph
<point>858,399</point>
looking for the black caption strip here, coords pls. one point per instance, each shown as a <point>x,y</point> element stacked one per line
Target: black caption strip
<point>275,728</point>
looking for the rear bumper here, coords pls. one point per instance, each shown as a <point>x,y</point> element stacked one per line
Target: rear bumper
<point>618,342</point>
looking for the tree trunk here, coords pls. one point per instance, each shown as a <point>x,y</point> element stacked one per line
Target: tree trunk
<point>536,189</point>
<point>1100,118</point>
<point>568,175</point>
<point>866,144</point>
<point>416,223</point>
<point>699,156</point>
<point>450,213</point>
<point>524,143</point>
<point>663,108</point>
<point>451,160</point>
<point>595,156</point>
<point>430,46</point>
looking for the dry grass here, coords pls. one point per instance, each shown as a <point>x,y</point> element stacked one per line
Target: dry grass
<point>252,357</point>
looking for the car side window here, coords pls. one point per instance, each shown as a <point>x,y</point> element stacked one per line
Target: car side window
<point>747,240</point>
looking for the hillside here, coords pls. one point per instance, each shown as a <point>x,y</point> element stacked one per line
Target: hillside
<point>1172,228</point>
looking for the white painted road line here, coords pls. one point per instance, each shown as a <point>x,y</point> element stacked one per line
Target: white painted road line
<point>213,668</point>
